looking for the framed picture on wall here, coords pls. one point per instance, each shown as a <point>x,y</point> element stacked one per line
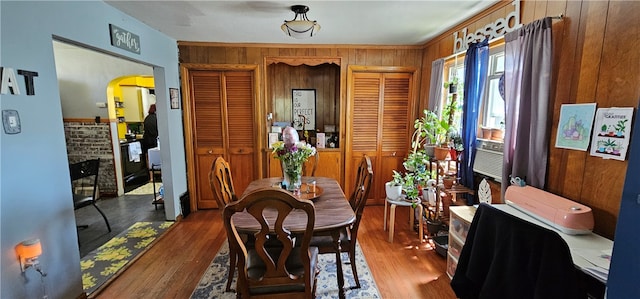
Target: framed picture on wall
<point>303,109</point>
<point>174,98</point>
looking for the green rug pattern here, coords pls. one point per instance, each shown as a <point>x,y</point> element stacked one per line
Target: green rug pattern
<point>114,256</point>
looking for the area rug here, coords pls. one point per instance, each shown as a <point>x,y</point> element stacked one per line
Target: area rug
<point>100,265</point>
<point>144,189</point>
<point>214,280</point>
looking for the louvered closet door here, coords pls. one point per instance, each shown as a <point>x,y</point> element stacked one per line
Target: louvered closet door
<point>242,148</point>
<point>395,128</point>
<point>378,126</point>
<point>363,125</point>
<point>206,87</point>
<point>224,126</point>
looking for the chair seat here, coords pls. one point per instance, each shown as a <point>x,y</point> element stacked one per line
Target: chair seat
<point>326,242</point>
<point>80,201</point>
<point>256,269</point>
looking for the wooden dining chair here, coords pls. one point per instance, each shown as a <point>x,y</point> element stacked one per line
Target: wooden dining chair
<point>221,184</point>
<point>309,167</point>
<point>279,261</point>
<point>349,235</point>
<point>84,175</point>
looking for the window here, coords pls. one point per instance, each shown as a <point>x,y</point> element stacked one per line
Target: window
<point>454,72</point>
<point>492,107</point>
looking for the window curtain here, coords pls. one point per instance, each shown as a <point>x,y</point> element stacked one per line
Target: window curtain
<point>435,89</point>
<point>527,92</point>
<point>476,63</point>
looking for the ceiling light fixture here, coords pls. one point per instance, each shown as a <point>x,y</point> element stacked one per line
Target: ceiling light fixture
<point>300,27</point>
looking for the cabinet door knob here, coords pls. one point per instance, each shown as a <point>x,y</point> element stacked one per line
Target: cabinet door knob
<point>393,154</point>
<point>210,152</point>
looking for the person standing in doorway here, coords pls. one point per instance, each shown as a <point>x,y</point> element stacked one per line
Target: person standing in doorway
<point>150,136</point>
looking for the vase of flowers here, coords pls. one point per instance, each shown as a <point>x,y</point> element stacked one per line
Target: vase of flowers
<point>292,174</point>
<point>292,154</point>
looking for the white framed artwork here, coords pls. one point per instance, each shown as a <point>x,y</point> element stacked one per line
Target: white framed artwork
<point>303,109</point>
<point>611,133</point>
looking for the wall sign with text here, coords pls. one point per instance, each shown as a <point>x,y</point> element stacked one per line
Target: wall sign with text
<point>492,30</point>
<point>304,109</point>
<point>124,39</point>
<point>9,83</point>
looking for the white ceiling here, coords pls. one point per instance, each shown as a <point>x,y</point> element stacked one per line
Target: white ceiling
<point>342,22</point>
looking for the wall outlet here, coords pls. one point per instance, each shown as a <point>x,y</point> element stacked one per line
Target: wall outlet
<point>101,105</point>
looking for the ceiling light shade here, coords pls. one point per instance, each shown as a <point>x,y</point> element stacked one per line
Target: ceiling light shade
<point>300,27</point>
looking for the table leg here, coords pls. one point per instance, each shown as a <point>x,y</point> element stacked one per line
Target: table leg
<point>335,234</point>
<point>392,221</point>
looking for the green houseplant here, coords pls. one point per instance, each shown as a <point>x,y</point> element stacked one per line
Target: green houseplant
<point>452,86</point>
<point>393,188</point>
<point>415,164</point>
<point>430,131</point>
<point>455,144</point>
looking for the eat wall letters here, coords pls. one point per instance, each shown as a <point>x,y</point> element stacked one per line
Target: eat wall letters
<point>9,83</point>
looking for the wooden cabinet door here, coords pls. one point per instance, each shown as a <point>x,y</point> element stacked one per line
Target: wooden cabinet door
<point>379,110</point>
<point>223,125</point>
<point>329,164</point>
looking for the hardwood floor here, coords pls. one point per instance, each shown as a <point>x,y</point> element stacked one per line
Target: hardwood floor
<point>173,267</point>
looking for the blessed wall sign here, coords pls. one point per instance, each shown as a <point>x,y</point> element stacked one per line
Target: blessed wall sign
<point>497,28</point>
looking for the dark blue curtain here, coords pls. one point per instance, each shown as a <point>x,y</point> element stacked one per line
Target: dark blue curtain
<point>476,62</point>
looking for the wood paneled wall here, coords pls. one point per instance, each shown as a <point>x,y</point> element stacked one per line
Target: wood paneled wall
<point>596,60</point>
<point>263,54</point>
<point>218,53</point>
<point>324,78</point>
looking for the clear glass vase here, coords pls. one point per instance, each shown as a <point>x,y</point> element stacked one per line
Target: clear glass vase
<point>292,176</point>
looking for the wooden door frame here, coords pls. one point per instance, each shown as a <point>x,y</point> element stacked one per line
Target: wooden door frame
<point>187,96</point>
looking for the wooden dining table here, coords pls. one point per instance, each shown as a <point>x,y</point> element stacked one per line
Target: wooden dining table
<point>333,213</point>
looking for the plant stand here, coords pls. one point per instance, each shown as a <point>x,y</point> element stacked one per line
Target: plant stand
<point>392,216</point>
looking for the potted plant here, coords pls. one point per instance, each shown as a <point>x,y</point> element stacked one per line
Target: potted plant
<point>426,128</point>
<point>393,188</point>
<point>455,144</point>
<point>409,185</point>
<point>430,131</point>
<point>416,161</point>
<point>448,181</point>
<point>497,134</point>
<point>452,86</point>
<point>486,132</point>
